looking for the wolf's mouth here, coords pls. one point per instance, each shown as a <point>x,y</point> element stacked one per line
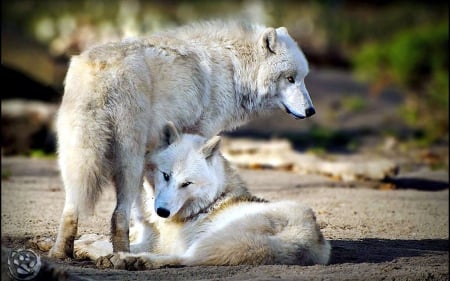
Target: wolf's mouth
<point>292,113</point>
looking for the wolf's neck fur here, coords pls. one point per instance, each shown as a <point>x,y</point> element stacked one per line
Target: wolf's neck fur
<point>240,41</point>
<point>234,191</point>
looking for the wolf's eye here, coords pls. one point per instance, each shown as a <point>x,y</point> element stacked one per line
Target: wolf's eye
<point>290,79</point>
<point>166,176</point>
<point>186,184</point>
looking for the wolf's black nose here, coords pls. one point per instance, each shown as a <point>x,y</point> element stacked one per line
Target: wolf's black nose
<point>310,111</point>
<point>164,213</point>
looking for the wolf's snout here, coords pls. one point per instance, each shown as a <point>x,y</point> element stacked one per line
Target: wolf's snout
<point>164,213</point>
<point>310,111</point>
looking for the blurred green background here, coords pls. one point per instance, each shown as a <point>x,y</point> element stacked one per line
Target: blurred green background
<point>379,69</point>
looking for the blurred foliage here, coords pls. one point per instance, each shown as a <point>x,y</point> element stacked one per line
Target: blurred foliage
<point>354,104</point>
<point>40,153</point>
<point>415,59</point>
<point>6,174</point>
<point>320,139</point>
<point>352,23</point>
<point>333,26</point>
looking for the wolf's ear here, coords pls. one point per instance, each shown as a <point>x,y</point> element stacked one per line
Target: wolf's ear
<point>268,41</point>
<point>282,30</point>
<point>210,147</point>
<point>170,134</point>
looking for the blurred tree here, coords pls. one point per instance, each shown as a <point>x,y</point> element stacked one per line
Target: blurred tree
<point>417,60</point>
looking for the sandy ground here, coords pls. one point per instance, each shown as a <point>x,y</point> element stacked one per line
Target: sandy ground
<point>399,234</point>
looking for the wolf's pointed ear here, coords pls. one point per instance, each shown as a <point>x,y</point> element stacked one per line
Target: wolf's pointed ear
<point>210,147</point>
<point>282,30</point>
<point>268,41</point>
<point>170,134</point>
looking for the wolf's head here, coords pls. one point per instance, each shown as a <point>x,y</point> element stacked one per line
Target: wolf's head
<point>187,173</point>
<point>281,75</point>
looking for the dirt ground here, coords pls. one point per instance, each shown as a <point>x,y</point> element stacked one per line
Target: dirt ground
<point>376,234</point>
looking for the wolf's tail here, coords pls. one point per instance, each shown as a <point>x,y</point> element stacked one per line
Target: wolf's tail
<point>302,239</point>
<point>84,130</point>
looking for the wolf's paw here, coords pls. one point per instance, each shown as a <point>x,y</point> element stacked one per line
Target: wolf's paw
<point>80,253</point>
<point>57,253</point>
<point>116,261</point>
<point>138,263</point>
<point>105,262</point>
<point>125,261</point>
<point>41,243</point>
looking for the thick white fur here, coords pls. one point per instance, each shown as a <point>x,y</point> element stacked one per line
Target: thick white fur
<point>206,78</point>
<point>211,217</point>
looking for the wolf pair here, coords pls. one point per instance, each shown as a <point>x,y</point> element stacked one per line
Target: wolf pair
<point>205,77</point>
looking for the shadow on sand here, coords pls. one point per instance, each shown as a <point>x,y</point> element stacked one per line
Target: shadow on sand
<point>373,250</point>
<point>419,184</point>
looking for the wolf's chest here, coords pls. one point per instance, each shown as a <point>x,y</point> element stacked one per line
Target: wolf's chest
<point>176,238</point>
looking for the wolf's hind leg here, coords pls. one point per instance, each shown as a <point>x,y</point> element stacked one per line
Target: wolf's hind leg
<point>128,179</point>
<point>68,227</point>
<point>120,221</point>
<point>82,150</point>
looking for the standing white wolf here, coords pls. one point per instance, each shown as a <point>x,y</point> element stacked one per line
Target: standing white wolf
<point>206,78</point>
<point>198,211</point>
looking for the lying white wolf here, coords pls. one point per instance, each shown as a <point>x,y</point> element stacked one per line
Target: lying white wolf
<point>206,78</point>
<point>199,212</point>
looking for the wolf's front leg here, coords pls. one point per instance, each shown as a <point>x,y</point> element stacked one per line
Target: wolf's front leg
<point>142,261</point>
